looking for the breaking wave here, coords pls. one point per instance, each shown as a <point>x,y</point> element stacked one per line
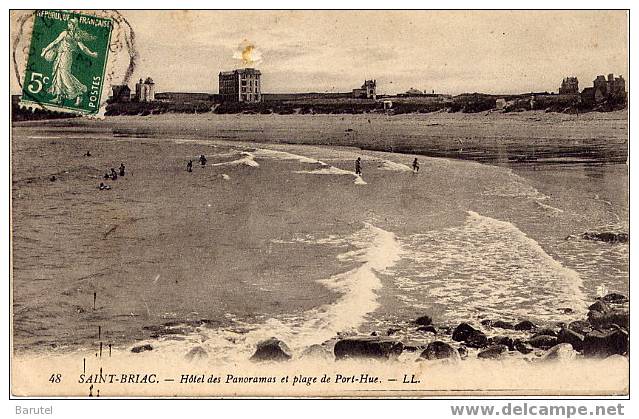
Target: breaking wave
<point>376,251</point>
<point>487,268</point>
<point>332,170</point>
<point>247,160</point>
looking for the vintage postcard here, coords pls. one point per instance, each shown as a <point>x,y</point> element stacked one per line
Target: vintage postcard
<point>361,204</point>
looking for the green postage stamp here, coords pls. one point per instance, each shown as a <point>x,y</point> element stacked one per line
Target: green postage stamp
<point>66,62</point>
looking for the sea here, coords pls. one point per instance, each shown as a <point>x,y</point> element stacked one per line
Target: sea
<point>286,241</point>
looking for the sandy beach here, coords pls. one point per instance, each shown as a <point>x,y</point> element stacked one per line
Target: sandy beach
<point>492,137</point>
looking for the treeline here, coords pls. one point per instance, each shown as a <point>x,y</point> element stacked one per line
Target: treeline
<point>291,108</point>
<point>466,103</point>
<point>157,107</point>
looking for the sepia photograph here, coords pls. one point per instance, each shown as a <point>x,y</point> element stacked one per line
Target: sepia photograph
<point>319,203</point>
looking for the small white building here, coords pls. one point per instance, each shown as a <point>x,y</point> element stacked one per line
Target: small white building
<point>145,90</point>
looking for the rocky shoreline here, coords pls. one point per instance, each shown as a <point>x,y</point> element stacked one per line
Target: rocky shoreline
<point>603,333</point>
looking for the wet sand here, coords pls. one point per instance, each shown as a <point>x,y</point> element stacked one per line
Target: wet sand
<point>487,137</point>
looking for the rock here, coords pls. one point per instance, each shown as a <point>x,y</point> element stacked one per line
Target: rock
<point>503,325</point>
<point>605,343</point>
<point>440,350</point>
<point>462,331</point>
<point>545,331</point>
<point>566,310</point>
<point>560,352</point>
<point>391,331</point>
<point>374,333</point>
<point>608,237</point>
<point>599,306</point>
<point>424,320</point>
<point>502,340</point>
<point>367,347</point>
<point>196,354</point>
<point>615,298</point>
<point>580,326</point>
<point>317,352</point>
<point>543,341</point>
<point>525,325</point>
<point>575,339</point>
<point>271,349</point>
<point>619,317</point>
<point>522,347</point>
<point>476,339</point>
<point>493,352</point>
<point>487,323</point>
<point>446,330</point>
<point>463,352</point>
<point>142,348</point>
<point>427,329</point>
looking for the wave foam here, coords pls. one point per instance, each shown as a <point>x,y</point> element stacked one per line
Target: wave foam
<point>550,208</point>
<point>394,167</point>
<point>515,187</point>
<point>358,289</point>
<point>332,170</point>
<point>487,268</point>
<point>247,160</point>
<point>377,251</point>
<point>283,155</point>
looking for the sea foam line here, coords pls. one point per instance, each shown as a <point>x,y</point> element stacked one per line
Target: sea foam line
<point>332,170</point>
<point>379,250</point>
<point>247,160</point>
<point>487,268</point>
<point>283,155</point>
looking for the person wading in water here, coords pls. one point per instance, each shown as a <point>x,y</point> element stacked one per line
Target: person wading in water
<point>358,166</point>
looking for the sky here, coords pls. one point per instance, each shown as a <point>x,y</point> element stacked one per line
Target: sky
<point>334,51</point>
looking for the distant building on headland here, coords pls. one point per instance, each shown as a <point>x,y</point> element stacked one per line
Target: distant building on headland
<point>145,90</point>
<point>569,86</point>
<point>367,91</point>
<point>241,85</point>
<point>612,90</point>
<point>120,93</point>
<point>412,92</point>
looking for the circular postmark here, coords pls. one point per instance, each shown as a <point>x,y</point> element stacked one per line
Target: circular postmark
<point>67,61</point>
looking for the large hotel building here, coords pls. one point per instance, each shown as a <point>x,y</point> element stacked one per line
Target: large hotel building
<point>241,85</point>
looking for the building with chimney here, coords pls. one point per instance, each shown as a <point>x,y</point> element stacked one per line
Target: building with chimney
<point>367,91</point>
<point>121,93</point>
<point>145,90</point>
<point>569,86</point>
<point>611,89</point>
<point>242,85</point>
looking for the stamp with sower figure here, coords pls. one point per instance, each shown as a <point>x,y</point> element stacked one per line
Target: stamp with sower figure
<point>67,62</point>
